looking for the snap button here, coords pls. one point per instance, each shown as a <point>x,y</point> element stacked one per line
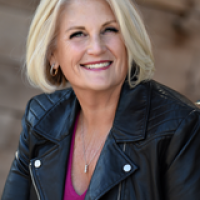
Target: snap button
<point>17,155</point>
<point>127,168</point>
<point>37,163</point>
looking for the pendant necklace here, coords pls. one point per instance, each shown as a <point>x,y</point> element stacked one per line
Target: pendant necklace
<point>83,141</point>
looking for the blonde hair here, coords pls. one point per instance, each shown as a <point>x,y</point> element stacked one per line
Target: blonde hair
<point>42,41</point>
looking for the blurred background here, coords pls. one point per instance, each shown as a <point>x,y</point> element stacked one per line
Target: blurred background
<point>174,28</point>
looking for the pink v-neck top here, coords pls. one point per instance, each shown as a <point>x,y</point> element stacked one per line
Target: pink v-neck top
<point>70,193</point>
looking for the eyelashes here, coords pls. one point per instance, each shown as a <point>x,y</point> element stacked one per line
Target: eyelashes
<point>80,33</point>
<point>76,34</point>
<point>111,29</point>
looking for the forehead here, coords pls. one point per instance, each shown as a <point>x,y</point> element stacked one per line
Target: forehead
<point>77,11</point>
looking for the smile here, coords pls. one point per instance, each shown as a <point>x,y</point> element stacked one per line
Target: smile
<point>97,66</point>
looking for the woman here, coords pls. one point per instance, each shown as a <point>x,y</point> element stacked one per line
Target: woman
<point>115,134</point>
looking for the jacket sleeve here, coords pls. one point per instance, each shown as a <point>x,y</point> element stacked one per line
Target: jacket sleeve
<point>182,177</point>
<point>17,185</point>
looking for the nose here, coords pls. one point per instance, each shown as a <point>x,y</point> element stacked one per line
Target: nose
<point>96,46</point>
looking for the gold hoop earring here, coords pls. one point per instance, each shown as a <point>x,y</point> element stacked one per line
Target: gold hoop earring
<point>53,71</point>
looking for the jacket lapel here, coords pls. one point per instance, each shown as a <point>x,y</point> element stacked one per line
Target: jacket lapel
<point>109,169</point>
<point>50,176</point>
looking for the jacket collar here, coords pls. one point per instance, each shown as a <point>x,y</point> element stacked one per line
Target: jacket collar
<point>129,123</point>
<point>132,113</point>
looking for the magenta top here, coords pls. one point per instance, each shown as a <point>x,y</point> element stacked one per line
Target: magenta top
<point>70,193</point>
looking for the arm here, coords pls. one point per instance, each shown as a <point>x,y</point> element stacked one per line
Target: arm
<point>18,181</point>
<point>182,178</point>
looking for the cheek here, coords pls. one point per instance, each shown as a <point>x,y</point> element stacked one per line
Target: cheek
<point>121,56</point>
<point>116,45</point>
<point>70,53</point>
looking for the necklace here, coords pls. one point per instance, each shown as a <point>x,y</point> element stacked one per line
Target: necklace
<point>95,153</point>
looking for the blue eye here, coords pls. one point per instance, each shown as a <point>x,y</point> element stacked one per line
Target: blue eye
<point>77,34</point>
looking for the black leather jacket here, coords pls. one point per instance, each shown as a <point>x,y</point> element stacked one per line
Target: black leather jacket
<point>156,133</point>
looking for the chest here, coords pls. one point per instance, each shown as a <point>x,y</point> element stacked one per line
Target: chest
<point>83,162</point>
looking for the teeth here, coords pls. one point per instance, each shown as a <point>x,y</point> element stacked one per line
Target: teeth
<point>96,66</point>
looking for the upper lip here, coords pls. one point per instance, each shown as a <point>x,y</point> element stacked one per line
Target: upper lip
<point>96,62</point>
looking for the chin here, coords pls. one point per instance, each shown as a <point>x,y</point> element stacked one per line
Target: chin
<point>104,86</point>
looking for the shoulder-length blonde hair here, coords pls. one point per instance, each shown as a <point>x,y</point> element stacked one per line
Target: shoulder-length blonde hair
<point>43,32</point>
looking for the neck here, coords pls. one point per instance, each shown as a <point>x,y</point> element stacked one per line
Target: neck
<point>98,108</point>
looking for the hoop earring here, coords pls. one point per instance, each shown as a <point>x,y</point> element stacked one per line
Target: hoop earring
<point>53,71</point>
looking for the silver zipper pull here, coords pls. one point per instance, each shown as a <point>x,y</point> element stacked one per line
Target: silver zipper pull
<point>33,181</point>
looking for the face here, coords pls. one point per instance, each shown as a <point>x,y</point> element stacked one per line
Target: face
<point>90,49</point>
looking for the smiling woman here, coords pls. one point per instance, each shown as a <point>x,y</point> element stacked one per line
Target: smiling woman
<point>115,134</point>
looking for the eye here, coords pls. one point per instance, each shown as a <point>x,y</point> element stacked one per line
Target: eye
<point>77,34</point>
<point>111,29</point>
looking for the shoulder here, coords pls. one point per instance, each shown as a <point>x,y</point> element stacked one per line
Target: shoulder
<point>40,105</point>
<point>166,94</point>
<point>168,109</point>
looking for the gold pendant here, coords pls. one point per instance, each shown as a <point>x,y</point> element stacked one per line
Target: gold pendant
<point>86,168</point>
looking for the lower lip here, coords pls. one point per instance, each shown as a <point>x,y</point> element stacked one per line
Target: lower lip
<point>99,69</point>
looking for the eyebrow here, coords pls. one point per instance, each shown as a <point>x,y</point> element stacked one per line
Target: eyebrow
<point>83,28</point>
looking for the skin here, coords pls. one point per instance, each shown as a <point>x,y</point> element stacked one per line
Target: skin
<point>88,33</point>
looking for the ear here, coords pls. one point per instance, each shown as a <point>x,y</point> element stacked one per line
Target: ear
<point>53,61</point>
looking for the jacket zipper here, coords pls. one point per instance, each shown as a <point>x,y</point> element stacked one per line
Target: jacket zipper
<point>33,181</point>
<point>120,185</point>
